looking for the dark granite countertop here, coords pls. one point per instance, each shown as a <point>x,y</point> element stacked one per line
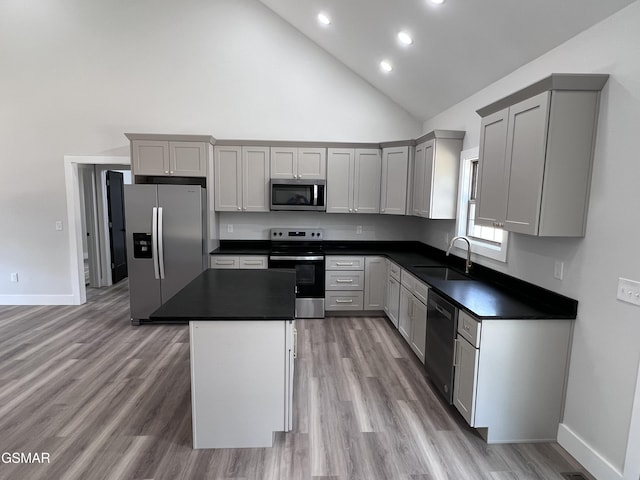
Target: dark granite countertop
<point>487,294</point>
<point>233,295</point>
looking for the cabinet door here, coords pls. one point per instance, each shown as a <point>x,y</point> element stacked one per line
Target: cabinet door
<point>366,185</point>
<point>284,162</point>
<point>393,195</point>
<point>465,379</point>
<point>427,183</point>
<point>375,283</point>
<point>255,179</point>
<point>526,149</point>
<point>418,328</point>
<point>494,169</point>
<point>418,181</point>
<point>312,163</point>
<point>228,179</point>
<point>393,300</point>
<point>150,157</point>
<point>340,171</point>
<point>404,318</point>
<point>188,159</point>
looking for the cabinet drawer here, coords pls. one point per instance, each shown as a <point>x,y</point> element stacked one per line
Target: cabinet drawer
<point>420,290</point>
<point>225,261</point>
<point>335,300</point>
<point>469,328</point>
<point>394,270</point>
<point>254,262</point>
<point>337,280</point>
<point>407,280</point>
<point>335,262</point>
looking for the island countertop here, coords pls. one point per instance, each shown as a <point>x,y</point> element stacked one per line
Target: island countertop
<point>233,295</point>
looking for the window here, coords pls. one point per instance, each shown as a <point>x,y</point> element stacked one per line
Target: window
<point>486,241</point>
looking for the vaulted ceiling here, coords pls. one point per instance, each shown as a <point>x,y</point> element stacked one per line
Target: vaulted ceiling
<point>459,47</point>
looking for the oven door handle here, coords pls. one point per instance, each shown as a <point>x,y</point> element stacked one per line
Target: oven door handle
<point>287,258</point>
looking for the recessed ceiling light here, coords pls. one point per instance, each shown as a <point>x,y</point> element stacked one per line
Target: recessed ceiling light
<point>437,2</point>
<point>385,66</point>
<point>324,19</point>
<point>405,38</point>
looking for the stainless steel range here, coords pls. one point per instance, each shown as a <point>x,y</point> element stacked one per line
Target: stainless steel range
<point>301,250</point>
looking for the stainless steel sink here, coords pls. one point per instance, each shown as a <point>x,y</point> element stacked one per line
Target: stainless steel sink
<point>440,273</point>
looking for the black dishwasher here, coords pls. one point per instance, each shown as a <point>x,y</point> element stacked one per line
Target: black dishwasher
<point>442,324</point>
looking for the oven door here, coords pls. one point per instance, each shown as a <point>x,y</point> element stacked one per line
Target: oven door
<point>309,282</point>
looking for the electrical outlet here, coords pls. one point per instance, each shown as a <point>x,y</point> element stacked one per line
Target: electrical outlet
<point>229,228</point>
<point>629,291</point>
<point>14,277</point>
<point>358,229</point>
<point>558,270</point>
<point>59,225</point>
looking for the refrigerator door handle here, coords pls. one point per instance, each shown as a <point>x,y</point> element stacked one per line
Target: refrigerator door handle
<point>160,244</point>
<point>154,242</point>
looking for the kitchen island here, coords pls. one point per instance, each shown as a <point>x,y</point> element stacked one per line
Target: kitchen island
<point>242,341</point>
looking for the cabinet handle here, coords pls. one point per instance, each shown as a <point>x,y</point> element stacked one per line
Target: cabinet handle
<point>239,208</point>
<point>356,210</point>
<point>340,300</point>
<point>344,280</point>
<point>382,210</point>
<point>456,363</point>
<point>166,171</point>
<point>350,209</point>
<point>252,262</point>
<point>224,262</point>
<point>295,343</point>
<point>344,264</point>
<point>171,172</point>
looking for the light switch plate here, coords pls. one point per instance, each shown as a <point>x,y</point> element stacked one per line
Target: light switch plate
<point>629,291</point>
<point>558,270</point>
<point>59,225</point>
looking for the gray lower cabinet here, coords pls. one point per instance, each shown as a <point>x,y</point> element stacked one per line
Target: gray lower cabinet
<point>355,283</point>
<point>353,180</point>
<point>435,175</point>
<point>393,186</point>
<point>509,380</point>
<point>375,283</point>
<point>241,179</point>
<point>249,262</point>
<point>412,317</point>
<point>536,157</point>
<point>392,304</point>
<point>167,155</point>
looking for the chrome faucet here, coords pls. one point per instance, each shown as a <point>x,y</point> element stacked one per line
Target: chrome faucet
<point>467,265</point>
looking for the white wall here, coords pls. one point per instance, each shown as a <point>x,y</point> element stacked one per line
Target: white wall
<point>76,75</point>
<point>255,226</point>
<point>606,346</point>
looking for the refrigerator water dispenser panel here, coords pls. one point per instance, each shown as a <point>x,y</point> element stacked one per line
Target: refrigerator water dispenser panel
<point>142,245</point>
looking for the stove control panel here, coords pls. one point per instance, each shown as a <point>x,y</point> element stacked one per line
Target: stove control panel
<point>296,235</point>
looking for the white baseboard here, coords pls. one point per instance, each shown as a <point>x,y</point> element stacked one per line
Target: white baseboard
<point>38,300</point>
<point>595,463</point>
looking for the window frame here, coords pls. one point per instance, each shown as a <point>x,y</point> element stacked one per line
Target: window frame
<point>478,246</point>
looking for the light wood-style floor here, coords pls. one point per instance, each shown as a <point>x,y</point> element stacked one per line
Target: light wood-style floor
<point>111,401</point>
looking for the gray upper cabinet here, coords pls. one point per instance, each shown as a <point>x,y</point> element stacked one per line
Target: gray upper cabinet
<point>300,163</point>
<point>393,188</point>
<point>435,175</point>
<point>168,155</point>
<point>353,180</point>
<point>536,151</point>
<point>241,179</point>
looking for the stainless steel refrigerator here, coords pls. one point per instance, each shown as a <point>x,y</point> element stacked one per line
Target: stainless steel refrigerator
<point>166,242</point>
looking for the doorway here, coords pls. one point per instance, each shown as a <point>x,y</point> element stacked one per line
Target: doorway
<point>72,168</point>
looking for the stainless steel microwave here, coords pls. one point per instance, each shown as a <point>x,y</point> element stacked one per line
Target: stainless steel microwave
<point>298,194</point>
